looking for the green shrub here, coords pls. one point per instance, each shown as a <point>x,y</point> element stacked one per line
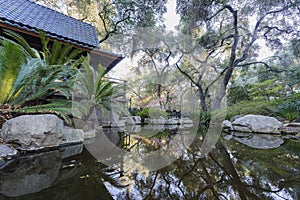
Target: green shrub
<point>152,113</point>
<point>238,94</point>
<point>266,89</point>
<point>28,81</point>
<point>295,97</point>
<point>143,113</point>
<point>258,107</point>
<point>289,110</point>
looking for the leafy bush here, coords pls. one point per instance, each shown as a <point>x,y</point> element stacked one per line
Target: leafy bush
<point>238,94</point>
<point>295,97</point>
<point>27,80</point>
<point>152,113</point>
<point>134,111</point>
<point>257,107</point>
<point>289,110</point>
<point>95,90</point>
<point>266,89</point>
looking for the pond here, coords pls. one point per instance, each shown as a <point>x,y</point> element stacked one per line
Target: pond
<point>237,166</point>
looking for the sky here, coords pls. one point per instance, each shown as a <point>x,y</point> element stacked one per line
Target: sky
<point>172,19</point>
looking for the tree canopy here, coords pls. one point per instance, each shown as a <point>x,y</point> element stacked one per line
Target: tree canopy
<point>216,40</point>
<point>112,16</point>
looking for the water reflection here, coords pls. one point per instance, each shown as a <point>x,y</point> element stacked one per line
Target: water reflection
<point>31,174</point>
<point>232,170</point>
<point>259,141</point>
<point>48,176</point>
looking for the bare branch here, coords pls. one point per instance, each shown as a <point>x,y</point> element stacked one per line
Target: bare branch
<point>185,73</point>
<point>218,12</point>
<point>263,63</point>
<point>112,31</point>
<point>134,92</point>
<point>255,32</point>
<point>252,63</point>
<point>270,28</point>
<point>153,184</point>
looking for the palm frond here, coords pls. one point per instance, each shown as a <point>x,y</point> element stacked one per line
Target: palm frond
<point>62,109</point>
<point>55,51</point>
<point>21,41</point>
<point>64,53</point>
<point>31,85</point>
<point>11,59</point>
<point>81,108</point>
<point>23,77</point>
<point>75,53</point>
<point>29,80</point>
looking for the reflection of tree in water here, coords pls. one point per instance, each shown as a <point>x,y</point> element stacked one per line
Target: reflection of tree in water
<point>230,171</point>
<point>85,180</point>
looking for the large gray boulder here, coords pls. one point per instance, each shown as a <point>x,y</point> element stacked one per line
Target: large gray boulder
<point>227,125</point>
<point>291,128</point>
<point>72,136</point>
<point>118,123</point>
<point>134,128</point>
<point>133,120</point>
<point>71,150</point>
<point>172,122</point>
<point>257,124</point>
<point>89,134</point>
<point>33,131</point>
<point>6,151</point>
<point>186,121</point>
<point>158,121</point>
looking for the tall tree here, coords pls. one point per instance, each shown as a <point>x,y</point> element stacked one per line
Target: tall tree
<point>229,31</point>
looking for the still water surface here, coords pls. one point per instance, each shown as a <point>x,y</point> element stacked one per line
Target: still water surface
<point>238,167</point>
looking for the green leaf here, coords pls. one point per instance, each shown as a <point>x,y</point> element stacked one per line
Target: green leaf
<point>32,52</point>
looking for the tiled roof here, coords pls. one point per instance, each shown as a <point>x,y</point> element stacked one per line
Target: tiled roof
<point>33,17</point>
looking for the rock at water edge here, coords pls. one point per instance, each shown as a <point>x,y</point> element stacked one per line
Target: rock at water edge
<point>134,120</point>
<point>257,124</point>
<point>259,141</point>
<point>33,132</point>
<point>6,151</point>
<point>71,135</point>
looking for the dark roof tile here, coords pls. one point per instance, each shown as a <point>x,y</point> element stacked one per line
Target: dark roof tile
<point>34,17</point>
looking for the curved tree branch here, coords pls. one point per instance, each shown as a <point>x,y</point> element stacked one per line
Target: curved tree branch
<point>255,33</point>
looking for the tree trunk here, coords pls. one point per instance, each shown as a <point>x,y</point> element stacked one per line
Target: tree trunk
<point>244,192</point>
<point>202,96</point>
<point>216,102</point>
<point>159,95</point>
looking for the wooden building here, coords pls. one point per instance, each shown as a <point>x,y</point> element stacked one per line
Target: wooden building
<point>28,18</point>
